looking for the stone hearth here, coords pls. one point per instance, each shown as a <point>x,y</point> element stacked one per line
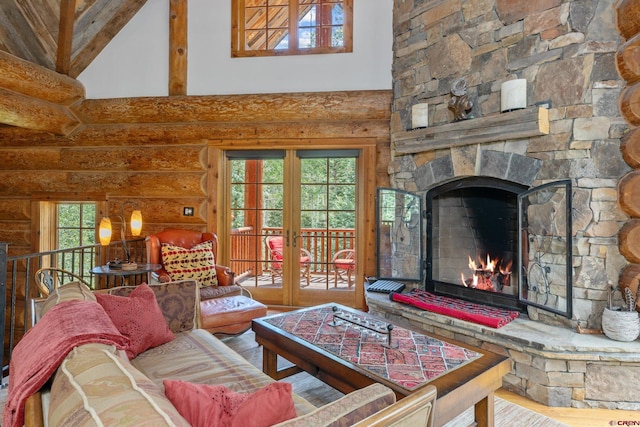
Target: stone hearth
<point>553,365</point>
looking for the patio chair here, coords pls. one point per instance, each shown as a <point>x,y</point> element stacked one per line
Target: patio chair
<point>344,265</point>
<point>275,245</point>
<point>49,278</point>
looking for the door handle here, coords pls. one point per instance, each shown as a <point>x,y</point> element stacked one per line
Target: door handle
<point>295,239</point>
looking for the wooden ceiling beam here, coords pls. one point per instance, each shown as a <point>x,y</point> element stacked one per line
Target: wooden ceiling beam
<point>23,111</point>
<point>34,97</point>
<point>65,36</point>
<point>177,47</point>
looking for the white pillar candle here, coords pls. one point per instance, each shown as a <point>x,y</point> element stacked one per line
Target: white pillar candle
<point>513,95</point>
<point>420,116</point>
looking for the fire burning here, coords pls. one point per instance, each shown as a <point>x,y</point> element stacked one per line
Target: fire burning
<point>488,276</point>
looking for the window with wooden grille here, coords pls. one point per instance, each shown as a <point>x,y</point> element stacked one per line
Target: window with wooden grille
<point>291,27</point>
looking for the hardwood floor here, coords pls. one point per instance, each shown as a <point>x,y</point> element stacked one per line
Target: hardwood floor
<point>319,393</point>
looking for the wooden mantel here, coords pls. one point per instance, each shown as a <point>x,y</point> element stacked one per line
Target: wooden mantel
<point>529,122</point>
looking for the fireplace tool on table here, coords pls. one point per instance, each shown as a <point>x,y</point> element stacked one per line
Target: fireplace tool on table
<point>381,328</point>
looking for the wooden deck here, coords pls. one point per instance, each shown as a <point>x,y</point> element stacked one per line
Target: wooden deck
<point>317,281</point>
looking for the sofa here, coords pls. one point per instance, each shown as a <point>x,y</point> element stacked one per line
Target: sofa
<point>107,375</point>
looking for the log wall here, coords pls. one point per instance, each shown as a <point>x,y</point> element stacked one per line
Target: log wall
<point>628,65</point>
<point>155,150</point>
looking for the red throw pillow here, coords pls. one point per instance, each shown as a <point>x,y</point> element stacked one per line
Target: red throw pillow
<point>204,405</point>
<point>138,317</point>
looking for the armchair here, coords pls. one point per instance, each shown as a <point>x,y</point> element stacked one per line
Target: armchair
<point>225,308</point>
<point>344,265</point>
<point>185,239</point>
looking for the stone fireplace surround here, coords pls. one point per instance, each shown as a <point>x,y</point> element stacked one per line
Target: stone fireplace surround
<point>552,363</point>
<point>565,49</point>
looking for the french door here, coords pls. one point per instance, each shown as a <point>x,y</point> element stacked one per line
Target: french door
<point>294,224</point>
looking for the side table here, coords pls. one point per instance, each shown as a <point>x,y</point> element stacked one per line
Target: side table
<point>124,277</point>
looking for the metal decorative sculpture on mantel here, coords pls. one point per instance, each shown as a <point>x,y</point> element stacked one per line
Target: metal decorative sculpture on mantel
<point>460,103</point>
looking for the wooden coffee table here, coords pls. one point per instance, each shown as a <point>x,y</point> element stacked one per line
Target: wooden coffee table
<point>471,383</point>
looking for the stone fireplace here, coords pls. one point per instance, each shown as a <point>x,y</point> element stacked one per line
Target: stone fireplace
<point>571,130</point>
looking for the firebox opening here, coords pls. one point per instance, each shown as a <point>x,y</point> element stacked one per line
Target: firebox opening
<point>472,241</point>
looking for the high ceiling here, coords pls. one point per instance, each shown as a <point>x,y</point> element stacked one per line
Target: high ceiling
<point>62,35</point>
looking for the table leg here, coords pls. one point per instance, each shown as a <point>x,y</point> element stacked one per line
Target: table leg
<point>485,411</point>
<point>270,365</point>
<point>269,362</point>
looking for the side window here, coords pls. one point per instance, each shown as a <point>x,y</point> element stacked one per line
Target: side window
<point>64,223</point>
<point>291,27</point>
<point>76,224</point>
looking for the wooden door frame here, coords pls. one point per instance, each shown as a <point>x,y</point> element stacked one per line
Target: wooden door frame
<point>218,199</point>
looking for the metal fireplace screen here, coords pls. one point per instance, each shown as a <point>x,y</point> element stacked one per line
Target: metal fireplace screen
<point>535,229</point>
<point>399,235</point>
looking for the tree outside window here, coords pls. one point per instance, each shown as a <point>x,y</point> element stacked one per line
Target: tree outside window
<point>76,227</point>
<point>265,27</point>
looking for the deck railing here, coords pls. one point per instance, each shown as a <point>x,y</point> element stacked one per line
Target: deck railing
<point>17,282</point>
<point>249,247</point>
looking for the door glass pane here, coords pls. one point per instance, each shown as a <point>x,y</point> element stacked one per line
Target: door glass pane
<point>257,190</point>
<point>327,220</point>
<point>324,242</point>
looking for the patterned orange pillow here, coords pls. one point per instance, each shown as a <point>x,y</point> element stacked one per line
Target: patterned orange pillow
<point>197,263</point>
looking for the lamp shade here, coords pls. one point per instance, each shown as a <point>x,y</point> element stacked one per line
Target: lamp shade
<point>105,231</point>
<point>136,222</point>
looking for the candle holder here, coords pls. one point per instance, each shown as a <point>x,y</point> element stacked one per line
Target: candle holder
<point>383,329</point>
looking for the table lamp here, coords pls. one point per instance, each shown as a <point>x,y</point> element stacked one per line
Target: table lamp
<point>105,232</point>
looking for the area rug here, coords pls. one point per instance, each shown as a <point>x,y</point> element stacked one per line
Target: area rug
<point>411,361</point>
<point>508,415</point>
<point>460,309</point>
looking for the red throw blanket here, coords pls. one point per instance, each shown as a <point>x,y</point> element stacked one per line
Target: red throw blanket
<point>453,307</point>
<point>44,347</point>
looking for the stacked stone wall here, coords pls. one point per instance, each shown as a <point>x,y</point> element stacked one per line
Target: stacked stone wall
<point>566,52</point>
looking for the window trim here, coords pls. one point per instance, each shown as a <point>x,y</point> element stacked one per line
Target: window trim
<point>238,32</point>
<point>43,212</point>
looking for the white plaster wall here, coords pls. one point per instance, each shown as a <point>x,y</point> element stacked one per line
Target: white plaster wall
<point>135,63</point>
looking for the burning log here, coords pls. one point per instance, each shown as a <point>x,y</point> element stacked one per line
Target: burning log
<point>487,277</point>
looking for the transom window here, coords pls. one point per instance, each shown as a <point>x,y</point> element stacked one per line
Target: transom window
<point>265,27</point>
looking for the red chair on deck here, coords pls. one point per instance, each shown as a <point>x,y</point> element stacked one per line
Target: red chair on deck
<point>275,245</point>
<point>344,265</point>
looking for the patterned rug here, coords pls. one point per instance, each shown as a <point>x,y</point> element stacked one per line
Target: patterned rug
<point>412,360</point>
<point>460,309</point>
